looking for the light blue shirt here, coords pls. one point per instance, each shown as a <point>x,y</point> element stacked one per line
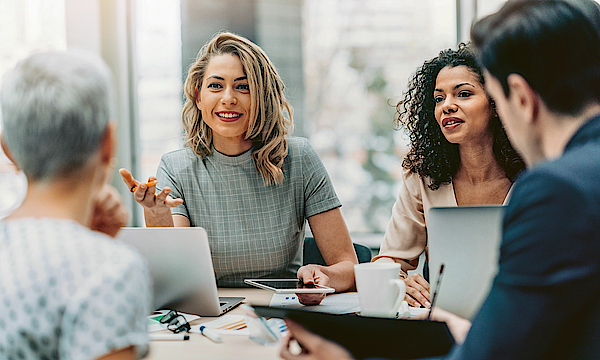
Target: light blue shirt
<point>67,292</point>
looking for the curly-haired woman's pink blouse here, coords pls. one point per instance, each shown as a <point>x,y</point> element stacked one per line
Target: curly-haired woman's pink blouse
<point>406,234</point>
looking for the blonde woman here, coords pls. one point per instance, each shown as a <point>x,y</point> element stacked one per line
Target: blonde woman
<point>239,176</point>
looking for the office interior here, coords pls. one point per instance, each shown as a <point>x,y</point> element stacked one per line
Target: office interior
<point>345,63</point>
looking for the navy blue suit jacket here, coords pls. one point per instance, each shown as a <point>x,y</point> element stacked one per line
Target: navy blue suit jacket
<point>544,302</point>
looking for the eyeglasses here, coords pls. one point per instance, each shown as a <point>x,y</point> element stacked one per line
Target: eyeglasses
<point>175,322</point>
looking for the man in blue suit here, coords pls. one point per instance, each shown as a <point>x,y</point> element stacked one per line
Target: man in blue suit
<point>542,67</point>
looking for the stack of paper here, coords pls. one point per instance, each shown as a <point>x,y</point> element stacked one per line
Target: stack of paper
<point>226,325</point>
<point>345,303</point>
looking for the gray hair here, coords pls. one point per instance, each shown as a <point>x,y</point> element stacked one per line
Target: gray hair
<point>55,110</point>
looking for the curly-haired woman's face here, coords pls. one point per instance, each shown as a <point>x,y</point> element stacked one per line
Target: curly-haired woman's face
<point>462,107</point>
<point>224,100</point>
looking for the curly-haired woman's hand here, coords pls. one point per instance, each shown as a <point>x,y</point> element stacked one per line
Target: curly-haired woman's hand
<point>417,291</point>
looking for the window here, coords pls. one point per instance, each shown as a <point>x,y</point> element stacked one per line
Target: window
<point>159,87</point>
<point>28,26</point>
<point>25,27</point>
<point>358,57</point>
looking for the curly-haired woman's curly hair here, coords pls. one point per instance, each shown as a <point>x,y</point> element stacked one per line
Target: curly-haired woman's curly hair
<point>430,154</point>
<point>268,124</point>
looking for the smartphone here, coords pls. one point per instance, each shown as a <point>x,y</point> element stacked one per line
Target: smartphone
<point>289,286</point>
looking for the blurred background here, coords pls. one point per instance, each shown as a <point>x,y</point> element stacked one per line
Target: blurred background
<point>345,64</point>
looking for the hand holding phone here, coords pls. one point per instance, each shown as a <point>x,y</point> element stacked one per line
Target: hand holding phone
<point>289,286</point>
<point>312,275</point>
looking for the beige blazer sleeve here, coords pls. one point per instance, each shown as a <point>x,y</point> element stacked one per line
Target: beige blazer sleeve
<point>406,235</point>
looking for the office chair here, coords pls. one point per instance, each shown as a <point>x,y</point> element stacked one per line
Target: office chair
<point>312,255</point>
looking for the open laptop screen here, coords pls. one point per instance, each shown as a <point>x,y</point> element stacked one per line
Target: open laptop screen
<point>180,265</point>
<point>466,240</point>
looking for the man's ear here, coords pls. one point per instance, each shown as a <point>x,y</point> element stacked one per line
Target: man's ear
<point>108,144</point>
<point>523,98</point>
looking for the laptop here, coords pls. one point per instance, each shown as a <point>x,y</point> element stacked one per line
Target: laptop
<point>181,269</point>
<point>466,240</point>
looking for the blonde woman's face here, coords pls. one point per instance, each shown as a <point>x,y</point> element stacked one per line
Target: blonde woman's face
<point>224,100</point>
<point>462,107</point>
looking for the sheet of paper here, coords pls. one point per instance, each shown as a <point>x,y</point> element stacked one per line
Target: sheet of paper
<point>226,325</point>
<point>344,303</point>
<point>414,311</point>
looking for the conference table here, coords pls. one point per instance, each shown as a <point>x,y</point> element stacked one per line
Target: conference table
<point>233,346</point>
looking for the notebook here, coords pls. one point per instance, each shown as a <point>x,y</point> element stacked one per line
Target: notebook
<point>367,337</point>
<point>466,240</point>
<point>181,269</point>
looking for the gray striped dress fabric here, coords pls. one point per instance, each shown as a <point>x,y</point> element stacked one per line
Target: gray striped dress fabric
<point>254,230</point>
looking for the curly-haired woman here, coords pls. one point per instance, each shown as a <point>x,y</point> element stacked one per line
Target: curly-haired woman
<point>459,155</point>
<point>239,177</point>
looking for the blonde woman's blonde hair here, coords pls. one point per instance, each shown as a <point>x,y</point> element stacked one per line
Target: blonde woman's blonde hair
<point>267,125</point>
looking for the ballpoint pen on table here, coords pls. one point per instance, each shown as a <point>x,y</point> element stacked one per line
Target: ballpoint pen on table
<point>167,337</point>
<point>435,291</point>
<point>211,334</point>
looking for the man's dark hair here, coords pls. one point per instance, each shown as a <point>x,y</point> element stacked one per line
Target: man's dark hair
<point>553,44</point>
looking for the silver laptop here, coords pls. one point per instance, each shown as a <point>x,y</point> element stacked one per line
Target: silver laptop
<point>181,269</point>
<point>467,241</point>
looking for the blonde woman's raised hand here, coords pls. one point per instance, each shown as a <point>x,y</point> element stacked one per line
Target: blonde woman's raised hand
<point>145,194</point>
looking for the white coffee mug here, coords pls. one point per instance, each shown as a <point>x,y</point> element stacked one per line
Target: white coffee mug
<point>380,290</point>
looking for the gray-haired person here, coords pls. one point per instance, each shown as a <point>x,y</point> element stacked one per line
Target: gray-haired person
<point>66,291</point>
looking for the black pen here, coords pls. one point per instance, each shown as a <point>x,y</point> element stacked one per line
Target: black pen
<point>435,291</point>
<point>167,337</point>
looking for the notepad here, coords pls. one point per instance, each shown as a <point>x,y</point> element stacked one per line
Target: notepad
<point>372,337</point>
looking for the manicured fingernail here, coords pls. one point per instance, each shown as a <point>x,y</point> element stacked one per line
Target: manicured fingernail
<point>427,304</point>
